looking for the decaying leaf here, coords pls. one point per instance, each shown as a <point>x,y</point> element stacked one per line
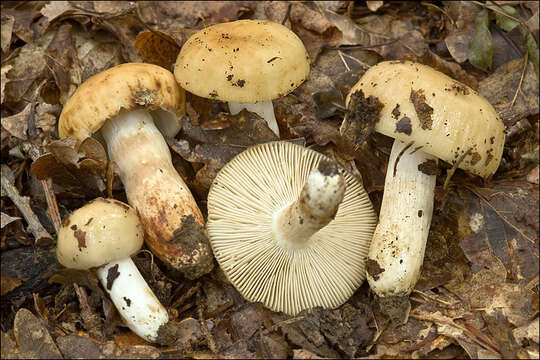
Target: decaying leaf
<point>460,24</point>
<point>33,338</point>
<point>157,47</point>
<point>17,125</point>
<point>481,45</point>
<point>8,283</point>
<point>501,87</point>
<point>79,170</point>
<point>6,31</point>
<point>24,15</point>
<point>6,219</point>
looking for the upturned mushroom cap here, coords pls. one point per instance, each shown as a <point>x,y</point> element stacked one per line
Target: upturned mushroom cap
<point>127,86</point>
<point>440,114</point>
<point>242,61</point>
<point>102,231</point>
<point>242,201</point>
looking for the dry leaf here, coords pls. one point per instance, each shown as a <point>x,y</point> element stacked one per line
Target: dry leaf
<point>460,23</point>
<point>33,338</point>
<point>501,86</point>
<point>6,30</point>
<point>6,219</point>
<point>8,283</point>
<point>55,9</point>
<point>157,47</point>
<point>17,125</point>
<point>374,5</point>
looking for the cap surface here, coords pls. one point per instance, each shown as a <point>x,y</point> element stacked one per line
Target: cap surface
<point>245,195</point>
<point>242,61</point>
<point>440,114</point>
<point>102,231</point>
<point>127,86</point>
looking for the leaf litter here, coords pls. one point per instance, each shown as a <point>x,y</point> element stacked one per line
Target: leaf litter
<point>478,291</point>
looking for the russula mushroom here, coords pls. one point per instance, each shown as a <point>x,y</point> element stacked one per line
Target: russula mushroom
<point>122,102</point>
<point>247,63</point>
<point>289,227</point>
<point>432,117</point>
<point>103,234</point>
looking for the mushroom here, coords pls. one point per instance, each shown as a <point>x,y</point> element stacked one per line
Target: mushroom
<point>432,117</point>
<point>289,227</point>
<point>246,62</point>
<point>103,234</point>
<point>121,101</point>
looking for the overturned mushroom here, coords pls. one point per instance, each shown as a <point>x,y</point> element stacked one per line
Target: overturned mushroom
<point>247,63</point>
<point>122,102</point>
<point>103,234</point>
<point>289,227</point>
<point>431,116</point>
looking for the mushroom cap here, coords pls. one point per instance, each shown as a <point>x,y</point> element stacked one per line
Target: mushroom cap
<point>242,61</point>
<point>243,198</point>
<point>129,86</point>
<point>453,117</point>
<point>102,231</point>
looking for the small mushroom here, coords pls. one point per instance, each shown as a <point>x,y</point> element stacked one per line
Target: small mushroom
<point>289,227</point>
<point>246,62</point>
<point>103,234</point>
<point>122,102</point>
<point>431,116</point>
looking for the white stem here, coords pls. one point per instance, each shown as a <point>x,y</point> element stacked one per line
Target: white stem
<point>156,191</point>
<point>136,303</point>
<point>397,250</point>
<point>264,109</point>
<point>316,206</point>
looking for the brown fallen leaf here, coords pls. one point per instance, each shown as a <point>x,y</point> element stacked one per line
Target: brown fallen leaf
<point>460,24</point>
<point>4,71</point>
<point>24,15</point>
<point>8,283</point>
<point>79,346</point>
<point>17,125</point>
<point>33,338</point>
<point>6,31</point>
<point>55,9</point>
<point>157,47</point>
<point>501,86</point>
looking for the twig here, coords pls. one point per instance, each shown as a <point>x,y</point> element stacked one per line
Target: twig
<point>204,328</point>
<point>287,14</point>
<point>441,10</point>
<point>41,236</point>
<point>343,60</point>
<point>518,90</point>
<point>451,172</point>
<point>186,296</point>
<point>50,197</point>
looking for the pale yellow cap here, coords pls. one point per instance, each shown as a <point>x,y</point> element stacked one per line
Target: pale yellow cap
<point>102,231</point>
<point>242,61</point>
<point>443,116</point>
<point>129,86</point>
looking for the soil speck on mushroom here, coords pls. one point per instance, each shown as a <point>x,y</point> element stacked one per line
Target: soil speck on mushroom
<point>112,274</point>
<point>81,238</point>
<point>404,126</point>
<point>429,167</point>
<point>423,110</point>
<point>373,268</point>
<point>361,116</point>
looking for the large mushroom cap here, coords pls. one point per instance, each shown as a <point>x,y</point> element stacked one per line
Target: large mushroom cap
<point>127,86</point>
<point>242,61</point>
<point>242,201</point>
<point>102,231</point>
<point>440,114</point>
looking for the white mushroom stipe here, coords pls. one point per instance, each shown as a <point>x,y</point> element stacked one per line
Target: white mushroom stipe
<point>399,242</point>
<point>136,303</point>
<point>317,205</point>
<point>264,109</point>
<point>247,201</point>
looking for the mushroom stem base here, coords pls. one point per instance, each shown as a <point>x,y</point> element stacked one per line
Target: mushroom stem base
<point>316,206</point>
<point>264,109</point>
<point>138,306</point>
<point>397,250</point>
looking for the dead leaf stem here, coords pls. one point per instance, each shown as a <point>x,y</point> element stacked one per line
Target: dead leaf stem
<point>41,236</point>
<point>518,90</point>
<point>451,172</point>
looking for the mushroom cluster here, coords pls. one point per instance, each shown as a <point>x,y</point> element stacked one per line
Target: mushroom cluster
<point>247,63</point>
<point>432,117</point>
<point>289,227</point>
<point>130,104</point>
